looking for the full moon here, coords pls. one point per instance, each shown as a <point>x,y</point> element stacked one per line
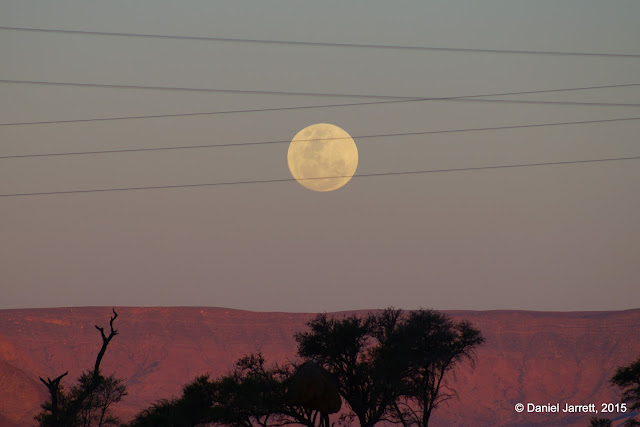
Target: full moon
<point>322,157</point>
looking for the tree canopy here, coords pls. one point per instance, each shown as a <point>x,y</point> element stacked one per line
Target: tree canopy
<point>628,379</point>
<point>391,365</point>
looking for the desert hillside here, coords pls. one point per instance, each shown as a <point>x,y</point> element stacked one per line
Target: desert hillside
<point>540,357</point>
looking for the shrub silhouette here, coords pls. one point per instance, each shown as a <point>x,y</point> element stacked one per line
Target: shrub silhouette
<point>252,394</point>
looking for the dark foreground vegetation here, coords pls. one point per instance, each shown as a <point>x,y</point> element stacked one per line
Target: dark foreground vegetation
<point>88,403</point>
<point>389,366</point>
<point>628,379</point>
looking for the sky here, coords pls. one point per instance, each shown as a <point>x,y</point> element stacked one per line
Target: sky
<point>555,237</point>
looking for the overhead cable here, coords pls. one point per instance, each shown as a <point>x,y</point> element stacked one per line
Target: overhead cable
<point>307,107</point>
<point>358,137</point>
<point>293,93</point>
<point>416,172</point>
<point>463,98</point>
<point>324,44</point>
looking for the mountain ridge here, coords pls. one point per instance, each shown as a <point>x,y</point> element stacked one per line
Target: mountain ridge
<point>530,356</point>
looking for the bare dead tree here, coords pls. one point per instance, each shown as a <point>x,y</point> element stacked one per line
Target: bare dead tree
<point>105,342</point>
<point>63,409</point>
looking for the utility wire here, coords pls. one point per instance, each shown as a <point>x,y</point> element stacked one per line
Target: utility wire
<point>241,144</point>
<point>294,93</point>
<point>308,107</point>
<point>191,89</point>
<point>465,98</point>
<point>417,172</point>
<point>323,44</point>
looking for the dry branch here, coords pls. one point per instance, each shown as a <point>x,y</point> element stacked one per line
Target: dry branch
<point>61,415</point>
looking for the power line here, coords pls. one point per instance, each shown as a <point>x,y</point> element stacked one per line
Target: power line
<point>464,98</point>
<point>190,89</point>
<point>159,187</point>
<point>308,107</point>
<point>240,144</point>
<point>323,44</point>
<point>294,93</point>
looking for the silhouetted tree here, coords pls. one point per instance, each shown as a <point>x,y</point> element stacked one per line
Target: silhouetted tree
<point>628,379</point>
<point>390,366</point>
<point>95,410</point>
<point>87,403</point>
<point>431,345</point>
<point>194,407</point>
<point>600,422</point>
<point>163,413</point>
<point>343,347</point>
<point>252,394</point>
<point>257,394</point>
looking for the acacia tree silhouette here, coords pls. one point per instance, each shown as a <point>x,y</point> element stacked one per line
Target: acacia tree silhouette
<point>390,366</point>
<point>429,345</point>
<point>89,401</point>
<point>628,379</point>
<point>342,346</point>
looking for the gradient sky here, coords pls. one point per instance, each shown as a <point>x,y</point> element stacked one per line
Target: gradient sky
<point>540,238</point>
